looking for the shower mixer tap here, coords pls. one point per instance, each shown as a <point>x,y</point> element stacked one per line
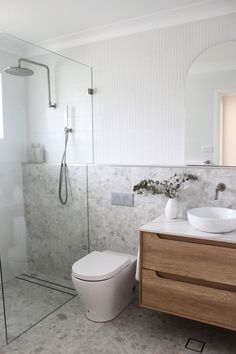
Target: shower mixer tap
<point>68,130</point>
<point>66,120</point>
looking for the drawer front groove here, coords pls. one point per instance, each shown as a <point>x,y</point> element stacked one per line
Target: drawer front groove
<point>212,263</point>
<point>189,280</point>
<point>189,300</point>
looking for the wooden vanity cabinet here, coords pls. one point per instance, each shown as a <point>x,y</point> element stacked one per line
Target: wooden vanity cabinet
<point>189,277</point>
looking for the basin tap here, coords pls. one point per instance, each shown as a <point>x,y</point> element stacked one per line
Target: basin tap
<point>220,188</point>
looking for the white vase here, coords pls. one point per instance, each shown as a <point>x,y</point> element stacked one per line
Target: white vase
<point>171,209</point>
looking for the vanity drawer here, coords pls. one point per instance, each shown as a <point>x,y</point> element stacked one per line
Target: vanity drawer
<point>208,262</point>
<point>188,300</point>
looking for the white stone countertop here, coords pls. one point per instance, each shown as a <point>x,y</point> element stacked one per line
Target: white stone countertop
<point>181,227</point>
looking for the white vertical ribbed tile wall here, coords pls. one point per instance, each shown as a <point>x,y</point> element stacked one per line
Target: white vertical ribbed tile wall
<point>139,82</point>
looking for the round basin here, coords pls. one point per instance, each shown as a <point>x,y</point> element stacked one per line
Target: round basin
<point>212,219</point>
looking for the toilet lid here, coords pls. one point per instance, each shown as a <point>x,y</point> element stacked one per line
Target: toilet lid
<point>99,266</point>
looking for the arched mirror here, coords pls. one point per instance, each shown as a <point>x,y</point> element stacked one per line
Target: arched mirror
<point>210,101</point>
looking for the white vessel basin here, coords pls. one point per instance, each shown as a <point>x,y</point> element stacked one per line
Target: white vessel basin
<point>212,219</point>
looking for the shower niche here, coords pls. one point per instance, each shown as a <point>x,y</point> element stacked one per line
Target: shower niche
<point>41,93</point>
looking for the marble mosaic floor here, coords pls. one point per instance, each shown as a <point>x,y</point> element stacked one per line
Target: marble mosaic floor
<point>134,331</point>
<point>27,301</point>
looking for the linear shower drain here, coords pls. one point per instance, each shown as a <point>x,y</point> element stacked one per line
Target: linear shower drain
<point>195,345</point>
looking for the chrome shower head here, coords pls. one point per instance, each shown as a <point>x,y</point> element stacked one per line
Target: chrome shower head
<point>18,71</point>
<point>21,71</point>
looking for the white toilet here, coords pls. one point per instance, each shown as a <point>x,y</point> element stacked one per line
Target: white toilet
<point>105,282</point>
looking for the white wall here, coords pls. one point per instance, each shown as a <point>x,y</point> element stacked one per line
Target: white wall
<point>69,83</point>
<point>139,81</point>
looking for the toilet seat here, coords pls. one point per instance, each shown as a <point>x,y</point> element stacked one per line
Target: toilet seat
<point>99,266</point>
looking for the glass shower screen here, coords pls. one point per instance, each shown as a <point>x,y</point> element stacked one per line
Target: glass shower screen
<point>40,238</point>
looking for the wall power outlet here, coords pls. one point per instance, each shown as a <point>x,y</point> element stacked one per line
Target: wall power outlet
<point>124,199</point>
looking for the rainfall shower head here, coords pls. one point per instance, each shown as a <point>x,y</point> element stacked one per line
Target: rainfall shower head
<point>19,71</point>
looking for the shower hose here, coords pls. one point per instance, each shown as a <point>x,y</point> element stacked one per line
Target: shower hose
<point>64,172</point>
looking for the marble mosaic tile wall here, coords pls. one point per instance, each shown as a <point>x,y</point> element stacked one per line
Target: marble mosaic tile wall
<point>115,227</point>
<point>57,235</point>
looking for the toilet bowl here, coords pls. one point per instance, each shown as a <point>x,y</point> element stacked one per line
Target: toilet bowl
<point>105,283</point>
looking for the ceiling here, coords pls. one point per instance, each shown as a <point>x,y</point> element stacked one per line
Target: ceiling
<point>42,21</point>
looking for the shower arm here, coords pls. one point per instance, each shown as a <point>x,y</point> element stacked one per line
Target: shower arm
<point>50,104</point>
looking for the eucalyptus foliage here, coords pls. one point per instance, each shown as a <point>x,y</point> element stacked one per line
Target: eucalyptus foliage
<point>169,187</point>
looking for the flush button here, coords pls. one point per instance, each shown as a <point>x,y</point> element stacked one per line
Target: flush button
<point>123,199</point>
